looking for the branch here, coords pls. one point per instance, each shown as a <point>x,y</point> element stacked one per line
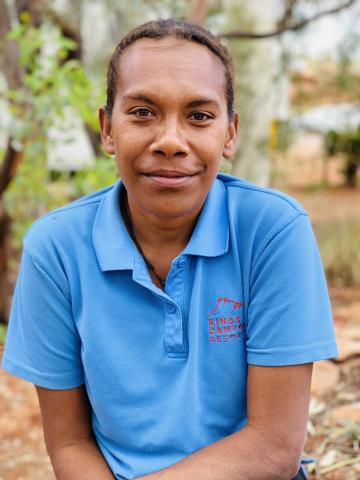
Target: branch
<point>67,30</point>
<point>286,28</point>
<point>288,13</point>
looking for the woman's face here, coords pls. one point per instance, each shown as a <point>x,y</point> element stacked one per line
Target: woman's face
<point>169,127</point>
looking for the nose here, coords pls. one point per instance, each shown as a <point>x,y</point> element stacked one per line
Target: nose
<point>170,141</point>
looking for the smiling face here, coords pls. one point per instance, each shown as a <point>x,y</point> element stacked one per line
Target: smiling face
<point>169,127</point>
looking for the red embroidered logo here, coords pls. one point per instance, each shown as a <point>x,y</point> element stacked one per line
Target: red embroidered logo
<point>224,321</point>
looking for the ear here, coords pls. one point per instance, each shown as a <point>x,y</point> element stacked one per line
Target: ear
<point>105,129</point>
<point>230,142</point>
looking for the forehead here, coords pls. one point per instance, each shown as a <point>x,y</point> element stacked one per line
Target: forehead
<point>171,64</point>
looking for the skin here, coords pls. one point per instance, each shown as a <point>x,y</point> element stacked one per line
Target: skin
<point>168,152</point>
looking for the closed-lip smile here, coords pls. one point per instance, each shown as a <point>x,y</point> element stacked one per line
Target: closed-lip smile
<point>170,178</point>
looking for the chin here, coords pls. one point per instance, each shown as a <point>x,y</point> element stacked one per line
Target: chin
<point>171,211</point>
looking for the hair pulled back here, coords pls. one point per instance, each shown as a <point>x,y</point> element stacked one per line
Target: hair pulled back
<point>159,29</point>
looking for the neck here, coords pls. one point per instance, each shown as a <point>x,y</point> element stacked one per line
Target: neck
<point>154,234</point>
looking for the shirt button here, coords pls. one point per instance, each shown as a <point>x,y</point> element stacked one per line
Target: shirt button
<point>171,308</point>
<point>182,263</point>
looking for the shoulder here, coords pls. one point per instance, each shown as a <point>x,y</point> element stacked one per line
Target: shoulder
<point>253,205</point>
<point>63,227</point>
<point>256,197</point>
<point>257,214</point>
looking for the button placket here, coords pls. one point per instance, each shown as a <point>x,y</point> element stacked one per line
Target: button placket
<point>174,326</point>
<point>170,308</point>
<point>173,329</point>
<point>181,263</point>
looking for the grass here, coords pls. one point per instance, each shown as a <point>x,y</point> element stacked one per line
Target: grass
<point>339,243</point>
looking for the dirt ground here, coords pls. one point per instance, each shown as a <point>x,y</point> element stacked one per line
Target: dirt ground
<point>334,424</point>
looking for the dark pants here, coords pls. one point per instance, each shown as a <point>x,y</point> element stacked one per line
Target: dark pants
<point>300,475</point>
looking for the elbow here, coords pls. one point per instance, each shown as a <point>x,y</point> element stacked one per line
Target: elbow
<point>286,463</point>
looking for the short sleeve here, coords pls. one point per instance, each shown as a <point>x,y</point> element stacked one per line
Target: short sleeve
<point>289,314</point>
<point>42,344</point>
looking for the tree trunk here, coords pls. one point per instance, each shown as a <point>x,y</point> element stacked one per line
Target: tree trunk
<point>95,140</point>
<point>255,68</point>
<point>4,256</point>
<point>13,74</point>
<point>9,166</point>
<point>351,173</point>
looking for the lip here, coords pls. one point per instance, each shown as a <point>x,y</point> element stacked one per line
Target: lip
<point>170,178</point>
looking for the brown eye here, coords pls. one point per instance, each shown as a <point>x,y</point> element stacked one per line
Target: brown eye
<point>141,112</point>
<point>200,116</point>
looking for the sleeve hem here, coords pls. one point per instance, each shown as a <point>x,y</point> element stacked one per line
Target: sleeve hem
<point>41,380</point>
<point>271,359</point>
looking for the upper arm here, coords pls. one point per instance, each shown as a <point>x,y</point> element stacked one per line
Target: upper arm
<point>66,416</point>
<point>278,402</point>
<point>289,320</point>
<point>43,345</point>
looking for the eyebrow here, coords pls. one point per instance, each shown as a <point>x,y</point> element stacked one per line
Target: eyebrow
<point>203,101</point>
<point>199,102</point>
<point>140,97</point>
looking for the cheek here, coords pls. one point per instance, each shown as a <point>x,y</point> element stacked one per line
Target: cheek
<point>127,150</point>
<point>218,133</point>
<point>211,147</point>
<point>129,139</point>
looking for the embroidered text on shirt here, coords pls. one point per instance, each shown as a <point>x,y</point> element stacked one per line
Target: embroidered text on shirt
<point>225,326</point>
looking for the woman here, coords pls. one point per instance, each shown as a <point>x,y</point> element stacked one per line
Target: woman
<point>170,322</point>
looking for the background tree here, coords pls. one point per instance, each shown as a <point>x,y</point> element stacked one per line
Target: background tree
<point>12,157</point>
<point>41,83</point>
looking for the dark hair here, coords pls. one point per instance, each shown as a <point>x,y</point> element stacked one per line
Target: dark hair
<point>171,28</point>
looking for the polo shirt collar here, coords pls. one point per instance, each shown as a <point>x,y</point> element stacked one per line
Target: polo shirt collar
<point>115,250</point>
<point>210,237</point>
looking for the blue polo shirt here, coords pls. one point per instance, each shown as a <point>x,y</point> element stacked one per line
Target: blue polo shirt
<point>166,371</point>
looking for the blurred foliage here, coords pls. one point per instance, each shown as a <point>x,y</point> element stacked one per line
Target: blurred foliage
<point>348,143</point>
<point>339,244</point>
<point>325,83</point>
<point>51,83</point>
<point>92,179</point>
<point>281,135</point>
<point>2,333</point>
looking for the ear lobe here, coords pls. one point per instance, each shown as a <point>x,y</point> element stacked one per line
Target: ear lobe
<point>105,130</point>
<point>230,143</point>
